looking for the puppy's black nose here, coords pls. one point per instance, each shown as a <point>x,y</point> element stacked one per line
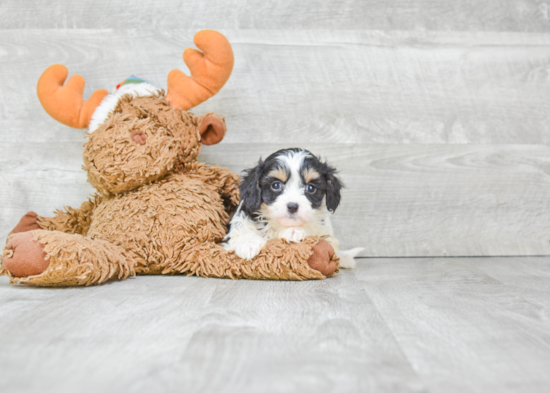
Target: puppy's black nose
<point>292,207</point>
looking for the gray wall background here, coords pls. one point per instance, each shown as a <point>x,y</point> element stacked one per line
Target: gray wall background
<point>435,112</point>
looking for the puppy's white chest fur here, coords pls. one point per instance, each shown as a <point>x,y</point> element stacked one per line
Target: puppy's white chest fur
<point>247,237</point>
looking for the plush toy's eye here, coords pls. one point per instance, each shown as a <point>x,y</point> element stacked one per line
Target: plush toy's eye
<point>276,186</point>
<point>310,188</point>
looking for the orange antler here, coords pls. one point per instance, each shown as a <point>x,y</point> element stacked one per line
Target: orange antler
<point>65,103</point>
<point>209,71</point>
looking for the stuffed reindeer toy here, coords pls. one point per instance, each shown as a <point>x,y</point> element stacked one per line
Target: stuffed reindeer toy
<point>157,210</point>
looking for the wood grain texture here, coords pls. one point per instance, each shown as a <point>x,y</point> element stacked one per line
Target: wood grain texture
<point>400,200</point>
<point>191,334</point>
<point>459,15</point>
<point>431,200</point>
<point>304,86</point>
<point>436,114</point>
<point>467,325</point>
<point>392,325</point>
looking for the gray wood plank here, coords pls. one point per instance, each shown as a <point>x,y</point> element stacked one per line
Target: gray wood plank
<point>460,15</point>
<point>303,86</point>
<point>401,200</point>
<point>410,324</point>
<point>431,200</point>
<point>176,334</point>
<point>467,324</point>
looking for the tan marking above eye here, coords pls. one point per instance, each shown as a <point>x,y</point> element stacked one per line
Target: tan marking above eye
<point>310,174</point>
<point>279,173</point>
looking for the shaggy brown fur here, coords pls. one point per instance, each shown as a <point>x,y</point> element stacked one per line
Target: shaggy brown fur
<point>157,211</point>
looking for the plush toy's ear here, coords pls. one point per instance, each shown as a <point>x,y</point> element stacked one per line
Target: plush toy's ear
<point>251,193</point>
<point>334,185</point>
<point>212,129</point>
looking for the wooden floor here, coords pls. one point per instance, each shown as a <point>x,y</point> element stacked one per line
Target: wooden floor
<point>391,325</point>
<point>436,113</point>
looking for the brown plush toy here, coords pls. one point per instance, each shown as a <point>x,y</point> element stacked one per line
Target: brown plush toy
<point>157,210</point>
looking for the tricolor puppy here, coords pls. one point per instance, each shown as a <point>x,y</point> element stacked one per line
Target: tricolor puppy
<point>290,195</point>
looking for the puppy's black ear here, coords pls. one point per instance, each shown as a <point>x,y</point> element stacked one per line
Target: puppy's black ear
<point>334,185</point>
<point>251,193</point>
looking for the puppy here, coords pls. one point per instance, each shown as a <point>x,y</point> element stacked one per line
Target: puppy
<point>289,196</point>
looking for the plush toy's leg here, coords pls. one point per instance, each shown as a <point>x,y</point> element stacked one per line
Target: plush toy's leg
<point>323,258</point>
<point>53,258</point>
<point>313,258</point>
<point>68,220</point>
<point>27,223</point>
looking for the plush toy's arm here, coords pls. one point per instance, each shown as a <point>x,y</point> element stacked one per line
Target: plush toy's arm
<point>225,181</point>
<point>70,220</point>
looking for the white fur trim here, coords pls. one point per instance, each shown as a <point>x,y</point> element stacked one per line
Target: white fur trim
<point>109,103</point>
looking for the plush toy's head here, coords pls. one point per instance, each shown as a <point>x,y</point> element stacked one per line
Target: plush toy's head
<point>138,134</point>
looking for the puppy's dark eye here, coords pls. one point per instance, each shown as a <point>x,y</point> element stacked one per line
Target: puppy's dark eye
<point>310,188</point>
<point>276,186</point>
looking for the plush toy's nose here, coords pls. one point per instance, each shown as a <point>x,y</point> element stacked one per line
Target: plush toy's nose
<point>292,207</point>
<point>139,137</point>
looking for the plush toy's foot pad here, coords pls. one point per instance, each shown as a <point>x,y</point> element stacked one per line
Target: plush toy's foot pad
<point>25,256</point>
<point>321,258</point>
<point>27,223</point>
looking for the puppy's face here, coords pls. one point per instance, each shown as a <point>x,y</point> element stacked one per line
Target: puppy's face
<point>289,186</point>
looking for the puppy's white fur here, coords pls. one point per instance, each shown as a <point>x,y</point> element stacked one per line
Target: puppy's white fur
<point>247,237</point>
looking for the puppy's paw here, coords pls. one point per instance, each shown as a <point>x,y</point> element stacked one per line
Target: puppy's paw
<point>249,248</point>
<point>293,234</point>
